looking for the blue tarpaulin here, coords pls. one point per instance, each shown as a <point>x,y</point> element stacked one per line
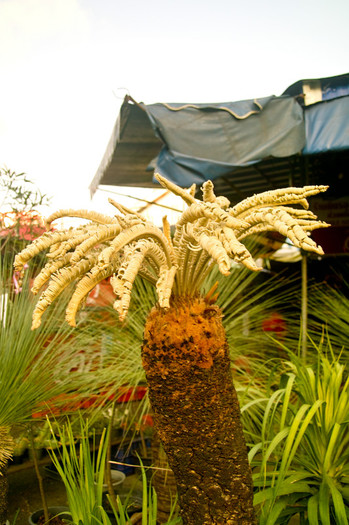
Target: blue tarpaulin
<point>327,126</point>
<point>207,141</point>
<point>244,146</point>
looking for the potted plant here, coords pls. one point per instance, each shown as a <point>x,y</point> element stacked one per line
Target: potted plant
<point>298,456</point>
<point>83,474</point>
<point>185,353</point>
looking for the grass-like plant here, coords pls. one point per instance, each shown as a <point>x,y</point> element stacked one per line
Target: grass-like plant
<point>329,314</point>
<point>83,475</point>
<point>82,472</point>
<point>185,352</point>
<point>37,367</point>
<point>301,463</point>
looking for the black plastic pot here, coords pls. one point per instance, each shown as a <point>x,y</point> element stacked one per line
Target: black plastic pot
<point>62,511</point>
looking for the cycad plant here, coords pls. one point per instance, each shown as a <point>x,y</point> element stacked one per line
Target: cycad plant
<point>185,352</point>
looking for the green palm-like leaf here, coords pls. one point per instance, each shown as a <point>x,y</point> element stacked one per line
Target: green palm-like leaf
<point>309,456</point>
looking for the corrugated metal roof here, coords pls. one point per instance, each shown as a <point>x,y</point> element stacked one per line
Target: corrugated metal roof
<point>131,148</point>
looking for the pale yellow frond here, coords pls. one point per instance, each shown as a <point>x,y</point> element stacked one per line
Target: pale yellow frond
<point>59,281</point>
<point>38,245</point>
<point>75,238</point>
<point>166,227</point>
<point>255,229</point>
<point>283,196</point>
<point>124,210</point>
<point>189,252</point>
<point>83,288</point>
<point>223,202</point>
<point>135,233</point>
<point>310,226</point>
<point>208,194</point>
<point>192,190</point>
<point>215,249</point>
<point>123,281</point>
<point>177,190</point>
<point>48,270</point>
<point>80,214</point>
<point>122,303</point>
<point>199,269</point>
<point>206,210</point>
<point>220,215</point>
<point>236,250</point>
<point>307,226</point>
<point>281,221</point>
<point>164,285</point>
<point>122,284</point>
<point>298,213</point>
<point>103,234</point>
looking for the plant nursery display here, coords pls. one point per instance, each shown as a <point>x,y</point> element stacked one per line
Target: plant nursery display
<point>185,351</point>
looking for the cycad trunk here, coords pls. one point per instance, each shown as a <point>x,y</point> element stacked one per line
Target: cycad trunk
<point>3,494</point>
<point>6,450</point>
<point>196,411</point>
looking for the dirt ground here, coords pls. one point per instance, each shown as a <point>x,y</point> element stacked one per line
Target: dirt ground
<point>24,491</point>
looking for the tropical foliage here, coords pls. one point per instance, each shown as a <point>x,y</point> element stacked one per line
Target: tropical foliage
<point>185,353</point>
<point>83,474</point>
<point>298,437</point>
<point>128,245</point>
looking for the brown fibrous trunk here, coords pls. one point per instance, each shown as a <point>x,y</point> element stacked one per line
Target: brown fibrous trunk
<point>196,412</point>
<point>3,493</point>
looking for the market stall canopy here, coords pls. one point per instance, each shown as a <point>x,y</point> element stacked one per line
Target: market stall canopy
<point>244,147</point>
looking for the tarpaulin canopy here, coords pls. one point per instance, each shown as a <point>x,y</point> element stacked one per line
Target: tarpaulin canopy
<point>245,147</point>
<point>206,141</point>
<point>327,126</point>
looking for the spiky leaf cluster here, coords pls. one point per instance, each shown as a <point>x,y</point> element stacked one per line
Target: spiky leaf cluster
<point>127,245</point>
<point>6,448</point>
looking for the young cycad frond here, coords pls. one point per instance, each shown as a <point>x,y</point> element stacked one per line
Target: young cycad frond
<point>287,222</point>
<point>122,247</point>
<point>93,216</point>
<point>277,197</point>
<point>59,281</point>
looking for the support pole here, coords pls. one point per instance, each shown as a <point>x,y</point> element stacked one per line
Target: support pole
<point>304,323</point>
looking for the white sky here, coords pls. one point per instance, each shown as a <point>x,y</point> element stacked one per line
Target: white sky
<point>65,66</point>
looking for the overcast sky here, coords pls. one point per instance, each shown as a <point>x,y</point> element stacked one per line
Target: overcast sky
<point>65,66</point>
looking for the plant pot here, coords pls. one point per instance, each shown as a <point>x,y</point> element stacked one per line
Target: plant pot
<point>34,519</point>
<point>117,478</point>
<point>132,504</point>
<point>52,472</point>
